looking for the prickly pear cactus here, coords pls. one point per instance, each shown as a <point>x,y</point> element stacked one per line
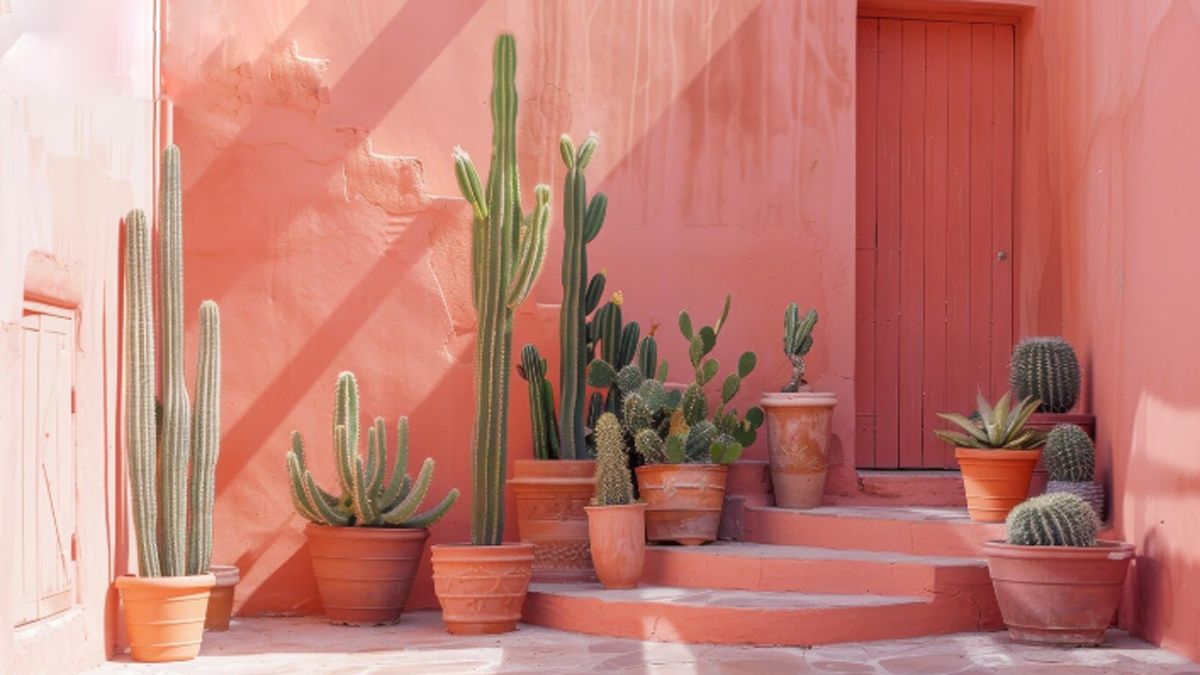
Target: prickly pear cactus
<point>1046,369</point>
<point>1060,519</point>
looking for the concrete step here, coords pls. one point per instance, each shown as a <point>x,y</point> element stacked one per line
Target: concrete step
<point>914,530</point>
<point>670,614</point>
<point>905,488</point>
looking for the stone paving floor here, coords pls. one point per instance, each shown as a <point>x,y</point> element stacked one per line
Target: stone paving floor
<point>420,645</point>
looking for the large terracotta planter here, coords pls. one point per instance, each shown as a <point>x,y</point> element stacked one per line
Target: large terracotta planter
<point>364,574</point>
<point>481,588</point>
<point>798,442</point>
<point>220,601</point>
<point>1046,422</point>
<point>683,501</point>
<point>995,480</point>
<point>164,616</point>
<point>1058,594</point>
<point>550,496</point>
<point>618,538</point>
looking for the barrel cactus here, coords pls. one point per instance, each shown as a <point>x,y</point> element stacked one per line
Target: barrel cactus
<point>172,457</point>
<point>368,498</point>
<point>797,341</point>
<point>1046,369</point>
<point>614,482</point>
<point>1052,520</point>
<point>1069,454</point>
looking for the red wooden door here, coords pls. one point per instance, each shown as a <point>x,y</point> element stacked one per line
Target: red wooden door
<point>934,230</point>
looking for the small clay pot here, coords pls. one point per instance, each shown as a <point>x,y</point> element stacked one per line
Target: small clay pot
<point>220,601</point>
<point>364,574</point>
<point>798,427</point>
<point>164,616</point>
<point>618,537</point>
<point>683,501</point>
<point>995,480</point>
<point>481,588</point>
<point>550,495</point>
<point>1061,595</point>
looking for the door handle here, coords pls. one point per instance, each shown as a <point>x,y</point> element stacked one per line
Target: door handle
<point>1001,256</point>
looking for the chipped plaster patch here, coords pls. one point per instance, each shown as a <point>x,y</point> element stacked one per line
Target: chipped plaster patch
<point>298,81</point>
<point>394,183</point>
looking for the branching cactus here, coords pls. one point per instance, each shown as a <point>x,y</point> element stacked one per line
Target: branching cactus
<point>1060,519</point>
<point>1046,369</point>
<point>172,461</point>
<point>369,498</point>
<point>614,482</point>
<point>507,252</point>
<point>542,416</point>
<point>797,341</point>
<point>1069,454</point>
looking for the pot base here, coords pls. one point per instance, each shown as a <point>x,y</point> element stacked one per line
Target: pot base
<point>481,588</point>
<point>165,615</point>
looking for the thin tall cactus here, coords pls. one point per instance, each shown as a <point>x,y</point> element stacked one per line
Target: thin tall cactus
<point>206,439</point>
<point>507,252</point>
<point>139,382</point>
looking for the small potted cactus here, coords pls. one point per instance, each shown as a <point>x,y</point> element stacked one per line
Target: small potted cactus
<point>366,544</point>
<point>172,456</point>
<point>798,422</point>
<point>1070,459</point>
<point>1055,582</point>
<point>996,454</point>
<point>616,521</point>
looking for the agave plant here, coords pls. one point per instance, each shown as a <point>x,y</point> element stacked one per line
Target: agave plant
<point>995,427</point>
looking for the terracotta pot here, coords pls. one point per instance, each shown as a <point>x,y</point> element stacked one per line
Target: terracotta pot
<point>164,616</point>
<point>618,537</point>
<point>995,480</point>
<point>481,588</point>
<point>683,501</point>
<point>220,601</point>
<point>550,496</point>
<point>1058,594</point>
<point>798,441</point>
<point>1092,493</point>
<point>364,574</point>
<point>1046,422</point>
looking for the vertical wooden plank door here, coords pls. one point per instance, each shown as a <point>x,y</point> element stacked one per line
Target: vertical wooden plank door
<point>934,231</point>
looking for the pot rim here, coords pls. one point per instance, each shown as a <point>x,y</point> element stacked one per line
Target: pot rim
<point>639,506</point>
<point>226,575</point>
<point>355,532</point>
<point>683,465</point>
<point>1105,549</point>
<point>798,399</point>
<point>189,582</point>
<point>996,453</point>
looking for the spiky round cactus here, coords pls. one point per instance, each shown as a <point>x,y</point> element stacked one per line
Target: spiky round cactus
<point>1046,369</point>
<point>1069,454</point>
<point>614,483</point>
<point>1060,519</point>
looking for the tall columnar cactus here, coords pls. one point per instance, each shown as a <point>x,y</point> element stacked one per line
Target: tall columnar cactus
<point>172,462</point>
<point>1060,519</point>
<point>507,252</point>
<point>1046,368</point>
<point>369,498</point>
<point>542,417</point>
<point>797,341</point>
<point>1069,454</point>
<point>614,482</point>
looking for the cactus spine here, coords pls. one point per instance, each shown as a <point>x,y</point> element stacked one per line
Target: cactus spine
<point>1060,519</point>
<point>172,462</point>
<point>507,252</point>
<point>797,341</point>
<point>1046,369</point>
<point>1069,454</point>
<point>614,483</point>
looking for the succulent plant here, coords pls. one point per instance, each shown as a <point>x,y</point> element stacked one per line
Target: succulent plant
<point>999,427</point>
<point>1069,454</point>
<point>797,341</point>
<point>1046,369</point>
<point>507,253</point>
<point>1060,519</point>
<point>542,417</point>
<point>369,498</point>
<point>614,482</point>
<point>172,455</point>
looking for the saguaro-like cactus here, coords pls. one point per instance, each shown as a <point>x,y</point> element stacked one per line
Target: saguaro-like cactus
<point>614,482</point>
<point>507,252</point>
<point>1046,368</point>
<point>542,418</point>
<point>206,438</point>
<point>797,340</point>
<point>1060,519</point>
<point>139,383</point>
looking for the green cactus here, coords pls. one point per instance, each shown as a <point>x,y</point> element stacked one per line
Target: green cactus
<point>369,498</point>
<point>1069,454</point>
<point>507,252</point>
<point>542,416</point>
<point>172,456</point>
<point>1046,369</point>
<point>1060,519</point>
<point>797,341</point>
<point>614,483</point>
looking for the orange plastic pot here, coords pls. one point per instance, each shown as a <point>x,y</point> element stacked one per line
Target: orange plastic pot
<point>550,495</point>
<point>164,616</point>
<point>618,537</point>
<point>220,601</point>
<point>364,574</point>
<point>481,588</point>
<point>1059,595</point>
<point>995,480</point>
<point>798,427</point>
<point>683,501</point>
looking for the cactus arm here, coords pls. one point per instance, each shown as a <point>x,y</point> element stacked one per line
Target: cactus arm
<point>572,318</point>
<point>345,414</point>
<point>332,515</point>
<point>301,499</point>
<point>531,251</point>
<point>431,516</point>
<point>363,501</point>
<point>396,484</point>
<point>206,441</point>
<point>409,505</point>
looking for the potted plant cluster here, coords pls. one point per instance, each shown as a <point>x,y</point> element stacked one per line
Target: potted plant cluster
<point>798,422</point>
<point>996,454</point>
<point>172,457</point>
<point>1055,582</point>
<point>1070,458</point>
<point>616,520</point>
<point>366,544</point>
